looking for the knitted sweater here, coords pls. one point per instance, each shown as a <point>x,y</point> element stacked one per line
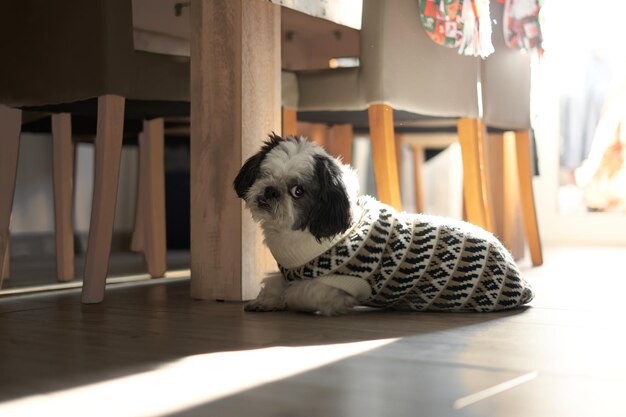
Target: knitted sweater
<point>420,262</point>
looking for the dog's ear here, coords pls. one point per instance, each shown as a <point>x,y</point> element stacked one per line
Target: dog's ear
<point>250,170</point>
<point>331,213</point>
<point>248,174</point>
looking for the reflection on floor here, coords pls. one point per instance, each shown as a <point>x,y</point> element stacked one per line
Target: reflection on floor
<point>150,350</point>
<point>28,271</point>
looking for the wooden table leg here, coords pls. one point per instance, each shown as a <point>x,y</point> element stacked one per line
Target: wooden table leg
<point>235,104</point>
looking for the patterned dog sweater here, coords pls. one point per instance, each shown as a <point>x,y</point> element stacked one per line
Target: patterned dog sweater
<point>420,262</point>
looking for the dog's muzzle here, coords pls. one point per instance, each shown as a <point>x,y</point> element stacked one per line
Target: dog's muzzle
<point>263,204</point>
<point>270,195</point>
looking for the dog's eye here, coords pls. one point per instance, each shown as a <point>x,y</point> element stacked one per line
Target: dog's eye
<point>296,191</point>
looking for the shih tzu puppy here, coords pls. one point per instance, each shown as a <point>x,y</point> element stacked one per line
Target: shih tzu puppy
<point>336,250</point>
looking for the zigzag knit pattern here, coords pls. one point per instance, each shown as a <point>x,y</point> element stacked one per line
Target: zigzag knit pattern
<point>420,262</point>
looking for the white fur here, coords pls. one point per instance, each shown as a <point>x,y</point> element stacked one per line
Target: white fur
<point>310,296</point>
<point>293,161</point>
<point>287,161</point>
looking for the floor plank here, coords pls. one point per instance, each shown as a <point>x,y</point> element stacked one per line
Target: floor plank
<point>570,341</point>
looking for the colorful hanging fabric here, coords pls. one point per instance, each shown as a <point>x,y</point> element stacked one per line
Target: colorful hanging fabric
<point>476,29</point>
<point>462,24</point>
<point>442,21</point>
<point>521,25</point>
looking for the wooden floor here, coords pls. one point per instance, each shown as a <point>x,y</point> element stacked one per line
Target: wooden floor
<point>33,271</point>
<point>149,350</point>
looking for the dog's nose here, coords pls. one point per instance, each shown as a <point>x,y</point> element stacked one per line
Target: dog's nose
<point>271,193</point>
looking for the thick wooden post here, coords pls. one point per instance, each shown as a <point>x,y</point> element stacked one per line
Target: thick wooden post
<point>235,104</point>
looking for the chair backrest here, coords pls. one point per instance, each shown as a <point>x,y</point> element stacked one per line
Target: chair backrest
<point>403,67</point>
<point>60,51</point>
<point>505,79</point>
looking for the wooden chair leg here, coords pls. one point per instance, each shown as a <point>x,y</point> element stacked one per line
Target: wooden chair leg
<point>137,242</point>
<point>529,214</point>
<point>317,132</point>
<point>399,138</point>
<point>154,226</point>
<point>418,170</point>
<point>384,154</point>
<point>485,177</point>
<point>473,187</point>
<point>339,143</point>
<point>107,166</point>
<point>511,220</point>
<point>10,127</point>
<point>6,266</point>
<point>290,122</point>
<point>63,179</point>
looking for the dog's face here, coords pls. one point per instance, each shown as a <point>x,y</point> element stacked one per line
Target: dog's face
<point>292,184</point>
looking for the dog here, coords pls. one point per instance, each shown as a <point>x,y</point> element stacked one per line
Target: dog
<point>336,250</point>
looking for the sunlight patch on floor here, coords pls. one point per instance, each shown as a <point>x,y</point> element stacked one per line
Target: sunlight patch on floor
<point>186,383</point>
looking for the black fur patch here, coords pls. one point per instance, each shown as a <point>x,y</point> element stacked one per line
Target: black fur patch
<point>330,214</point>
<point>250,169</point>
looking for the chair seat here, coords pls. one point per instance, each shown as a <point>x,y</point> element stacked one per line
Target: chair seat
<point>336,89</point>
<point>134,109</point>
<point>84,117</point>
<point>159,77</point>
<point>404,121</point>
<point>149,77</point>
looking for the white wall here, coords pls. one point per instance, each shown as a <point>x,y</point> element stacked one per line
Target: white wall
<point>33,209</point>
<point>442,178</point>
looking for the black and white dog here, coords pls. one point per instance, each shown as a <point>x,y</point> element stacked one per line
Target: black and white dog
<point>336,250</point>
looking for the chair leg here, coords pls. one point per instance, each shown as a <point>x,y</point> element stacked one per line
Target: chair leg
<point>384,154</point>
<point>154,203</point>
<point>474,188</point>
<point>6,266</point>
<point>339,143</point>
<point>529,214</point>
<point>418,169</point>
<point>290,122</point>
<point>10,127</point>
<point>486,177</point>
<point>63,179</point>
<point>317,132</point>
<point>137,243</point>
<point>107,166</point>
<point>510,222</point>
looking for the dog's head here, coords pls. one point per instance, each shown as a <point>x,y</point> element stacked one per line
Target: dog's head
<point>292,184</point>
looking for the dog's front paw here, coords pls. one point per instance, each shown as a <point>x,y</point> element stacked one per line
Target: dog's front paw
<point>262,305</point>
<point>339,304</point>
<point>271,297</point>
